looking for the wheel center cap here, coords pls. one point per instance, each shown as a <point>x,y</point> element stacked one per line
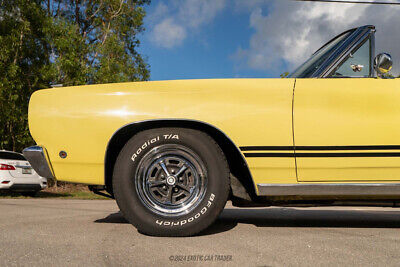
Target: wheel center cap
<point>171,180</point>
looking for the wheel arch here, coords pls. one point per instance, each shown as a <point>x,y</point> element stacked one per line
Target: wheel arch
<point>242,183</point>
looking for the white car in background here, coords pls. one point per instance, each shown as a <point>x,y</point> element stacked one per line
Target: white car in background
<point>16,174</point>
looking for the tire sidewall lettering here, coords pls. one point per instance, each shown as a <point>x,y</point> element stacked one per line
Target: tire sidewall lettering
<point>192,218</point>
<point>147,145</point>
<point>124,183</point>
<point>143,147</point>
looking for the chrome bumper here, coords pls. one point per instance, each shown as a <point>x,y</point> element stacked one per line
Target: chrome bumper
<point>36,157</point>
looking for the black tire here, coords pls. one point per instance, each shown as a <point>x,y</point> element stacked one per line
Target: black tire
<point>132,194</point>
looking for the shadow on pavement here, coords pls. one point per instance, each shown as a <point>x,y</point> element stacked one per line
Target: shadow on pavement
<point>41,194</point>
<point>113,218</point>
<point>293,217</point>
<point>218,226</point>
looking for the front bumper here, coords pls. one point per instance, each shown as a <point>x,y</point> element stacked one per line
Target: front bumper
<point>36,156</point>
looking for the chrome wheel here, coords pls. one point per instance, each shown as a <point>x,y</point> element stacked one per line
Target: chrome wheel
<point>171,180</point>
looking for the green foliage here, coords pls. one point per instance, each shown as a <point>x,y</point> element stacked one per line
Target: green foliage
<point>69,42</point>
<point>24,65</point>
<point>101,41</point>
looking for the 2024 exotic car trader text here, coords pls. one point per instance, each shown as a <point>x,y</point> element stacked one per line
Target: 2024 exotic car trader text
<point>173,152</point>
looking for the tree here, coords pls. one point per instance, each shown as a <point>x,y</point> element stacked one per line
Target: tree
<point>24,66</point>
<point>72,42</point>
<point>101,43</point>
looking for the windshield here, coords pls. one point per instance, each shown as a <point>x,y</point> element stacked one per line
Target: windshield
<point>313,63</point>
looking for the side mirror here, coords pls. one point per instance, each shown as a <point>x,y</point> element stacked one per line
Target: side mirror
<point>383,63</point>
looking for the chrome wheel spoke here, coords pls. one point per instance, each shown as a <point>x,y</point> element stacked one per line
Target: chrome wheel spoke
<point>156,183</point>
<point>184,187</point>
<point>182,169</point>
<point>162,164</point>
<point>168,197</point>
<point>171,180</point>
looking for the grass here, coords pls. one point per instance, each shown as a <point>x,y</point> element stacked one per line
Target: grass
<point>49,193</point>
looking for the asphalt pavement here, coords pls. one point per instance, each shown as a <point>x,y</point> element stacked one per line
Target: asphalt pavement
<point>55,232</point>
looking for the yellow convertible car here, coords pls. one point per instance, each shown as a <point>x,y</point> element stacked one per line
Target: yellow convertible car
<point>173,152</point>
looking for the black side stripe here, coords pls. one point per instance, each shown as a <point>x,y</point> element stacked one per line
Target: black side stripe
<point>321,155</point>
<point>318,148</point>
<point>258,148</point>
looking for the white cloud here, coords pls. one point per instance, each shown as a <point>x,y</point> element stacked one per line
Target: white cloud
<point>168,34</point>
<point>195,13</point>
<point>173,21</point>
<point>291,31</point>
<point>245,6</point>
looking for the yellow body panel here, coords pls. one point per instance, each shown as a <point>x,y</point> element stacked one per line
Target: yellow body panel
<point>81,120</point>
<point>328,113</point>
<point>347,112</point>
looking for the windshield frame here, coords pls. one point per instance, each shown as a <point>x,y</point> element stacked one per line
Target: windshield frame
<point>338,54</point>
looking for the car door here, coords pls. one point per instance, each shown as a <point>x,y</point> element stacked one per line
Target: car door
<point>347,129</point>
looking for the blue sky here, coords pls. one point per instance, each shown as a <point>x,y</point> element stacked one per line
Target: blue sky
<point>197,39</point>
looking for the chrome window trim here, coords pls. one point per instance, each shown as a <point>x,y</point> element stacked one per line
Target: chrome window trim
<point>372,71</point>
<point>368,36</point>
<point>329,189</point>
<point>358,35</point>
<point>335,57</point>
<point>342,52</point>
